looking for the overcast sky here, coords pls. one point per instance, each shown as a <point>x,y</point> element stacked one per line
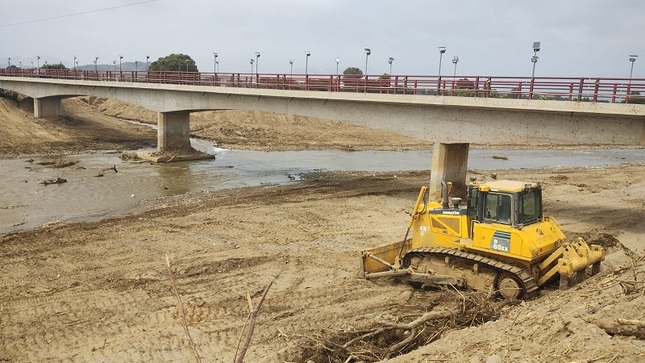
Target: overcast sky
<point>492,37</point>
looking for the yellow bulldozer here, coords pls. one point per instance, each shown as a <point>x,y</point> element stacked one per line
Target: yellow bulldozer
<point>496,241</point>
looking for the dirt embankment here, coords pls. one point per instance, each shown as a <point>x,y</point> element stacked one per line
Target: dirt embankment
<point>87,292</point>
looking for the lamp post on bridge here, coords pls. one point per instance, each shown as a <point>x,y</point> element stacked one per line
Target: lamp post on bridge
<point>74,64</point>
<point>337,64</point>
<point>368,51</point>
<point>455,60</point>
<point>96,66</point>
<point>38,62</point>
<point>291,68</point>
<point>632,59</point>
<point>534,59</point>
<point>251,61</point>
<point>147,60</point>
<point>307,54</point>
<point>257,65</point>
<point>120,70</point>
<point>215,62</point>
<point>442,50</point>
<point>390,60</point>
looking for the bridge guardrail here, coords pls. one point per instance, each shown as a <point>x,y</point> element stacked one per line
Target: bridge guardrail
<point>581,89</point>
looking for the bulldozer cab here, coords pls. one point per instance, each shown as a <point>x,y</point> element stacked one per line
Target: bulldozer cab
<point>515,204</point>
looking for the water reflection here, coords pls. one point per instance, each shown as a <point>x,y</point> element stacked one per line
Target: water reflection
<point>174,178</point>
<point>24,203</point>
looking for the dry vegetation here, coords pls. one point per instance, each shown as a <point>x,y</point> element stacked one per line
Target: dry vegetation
<point>100,291</point>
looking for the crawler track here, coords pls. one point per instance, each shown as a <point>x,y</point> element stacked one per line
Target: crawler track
<point>466,261</point>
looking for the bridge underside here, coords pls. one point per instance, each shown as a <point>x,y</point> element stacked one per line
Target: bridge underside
<point>451,122</point>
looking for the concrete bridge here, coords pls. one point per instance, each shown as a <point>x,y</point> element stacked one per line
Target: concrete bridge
<point>452,123</point>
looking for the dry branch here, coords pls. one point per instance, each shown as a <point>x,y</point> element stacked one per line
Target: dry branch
<point>633,330</point>
<point>182,311</point>
<point>249,325</point>
<point>431,315</point>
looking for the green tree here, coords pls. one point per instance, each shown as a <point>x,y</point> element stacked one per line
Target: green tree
<point>53,66</point>
<point>174,62</point>
<point>353,72</point>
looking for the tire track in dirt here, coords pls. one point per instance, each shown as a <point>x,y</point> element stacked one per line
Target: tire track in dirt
<point>78,317</point>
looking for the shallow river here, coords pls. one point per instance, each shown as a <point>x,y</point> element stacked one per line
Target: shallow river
<point>25,203</point>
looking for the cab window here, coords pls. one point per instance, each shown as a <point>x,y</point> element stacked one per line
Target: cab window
<point>530,207</point>
<point>498,208</point>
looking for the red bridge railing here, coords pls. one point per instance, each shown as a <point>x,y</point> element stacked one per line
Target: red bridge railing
<point>581,89</point>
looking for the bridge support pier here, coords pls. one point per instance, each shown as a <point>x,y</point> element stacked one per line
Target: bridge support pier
<point>173,131</point>
<point>173,139</point>
<point>47,107</point>
<point>449,164</point>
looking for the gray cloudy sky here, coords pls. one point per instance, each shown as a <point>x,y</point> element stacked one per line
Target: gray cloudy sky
<point>492,37</point>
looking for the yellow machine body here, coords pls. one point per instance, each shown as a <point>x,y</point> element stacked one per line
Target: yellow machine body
<point>501,227</point>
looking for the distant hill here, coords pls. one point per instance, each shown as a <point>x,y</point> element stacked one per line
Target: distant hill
<point>125,67</point>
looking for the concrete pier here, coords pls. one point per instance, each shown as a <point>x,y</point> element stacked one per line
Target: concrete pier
<point>47,107</point>
<point>173,131</point>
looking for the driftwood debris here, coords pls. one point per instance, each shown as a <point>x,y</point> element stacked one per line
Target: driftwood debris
<point>625,327</point>
<point>102,172</point>
<point>385,339</point>
<point>58,164</point>
<point>57,180</point>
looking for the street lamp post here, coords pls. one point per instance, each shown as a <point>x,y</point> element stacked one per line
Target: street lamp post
<point>9,61</point>
<point>187,61</point>
<point>390,61</point>
<point>368,51</point>
<point>214,62</point>
<point>120,71</point>
<point>38,62</point>
<point>632,59</point>
<point>136,66</point>
<point>455,60</point>
<point>337,63</point>
<point>291,68</point>
<point>147,60</point>
<point>534,59</point>
<point>96,67</point>
<point>442,50</point>
<point>257,61</point>
<point>307,54</point>
<point>251,61</point>
<point>74,63</point>
<point>257,64</point>
<point>114,62</point>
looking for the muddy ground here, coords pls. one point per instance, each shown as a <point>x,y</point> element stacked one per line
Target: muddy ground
<point>101,292</point>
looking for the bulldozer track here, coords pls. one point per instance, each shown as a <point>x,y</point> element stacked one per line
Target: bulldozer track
<point>529,285</point>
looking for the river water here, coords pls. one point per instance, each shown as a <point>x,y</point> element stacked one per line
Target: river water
<point>26,203</point>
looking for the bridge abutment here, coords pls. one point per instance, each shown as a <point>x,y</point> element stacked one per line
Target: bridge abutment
<point>449,164</point>
<point>173,131</point>
<point>47,107</point>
